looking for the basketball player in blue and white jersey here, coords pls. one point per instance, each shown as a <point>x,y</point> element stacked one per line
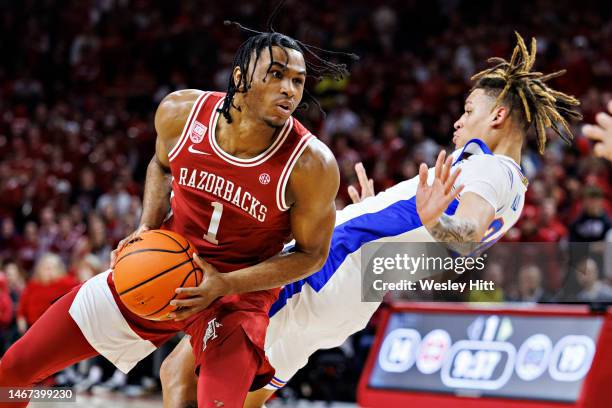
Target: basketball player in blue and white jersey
<point>321,311</point>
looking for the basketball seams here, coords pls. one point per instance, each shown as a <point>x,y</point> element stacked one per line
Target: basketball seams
<point>175,295</point>
<point>138,251</point>
<point>172,238</point>
<point>154,277</point>
<point>195,267</point>
<point>159,249</point>
<point>186,250</point>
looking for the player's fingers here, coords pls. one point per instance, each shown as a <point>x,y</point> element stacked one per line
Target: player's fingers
<point>454,194</point>
<point>119,248</point>
<point>604,120</point>
<point>451,181</point>
<point>361,176</point>
<point>205,266</point>
<point>193,291</point>
<point>352,192</point>
<point>113,258</point>
<point>610,107</point>
<point>447,168</point>
<point>593,132</point>
<point>190,311</point>
<point>198,260</point>
<point>423,170</point>
<point>185,313</point>
<point>600,151</point>
<point>439,163</point>
<point>371,185</point>
<point>124,242</point>
<point>186,302</point>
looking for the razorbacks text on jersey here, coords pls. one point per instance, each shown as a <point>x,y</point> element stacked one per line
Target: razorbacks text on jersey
<point>233,210</point>
<point>322,310</point>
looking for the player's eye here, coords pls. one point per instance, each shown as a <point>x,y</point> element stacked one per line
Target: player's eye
<point>298,81</point>
<point>277,74</point>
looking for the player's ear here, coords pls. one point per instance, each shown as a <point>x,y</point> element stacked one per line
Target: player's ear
<point>500,115</point>
<point>237,76</point>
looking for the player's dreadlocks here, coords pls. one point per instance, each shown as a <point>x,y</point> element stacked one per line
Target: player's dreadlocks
<point>525,93</point>
<point>316,65</point>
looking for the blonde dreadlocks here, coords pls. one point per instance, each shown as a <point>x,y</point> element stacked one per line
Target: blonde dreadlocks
<point>536,103</point>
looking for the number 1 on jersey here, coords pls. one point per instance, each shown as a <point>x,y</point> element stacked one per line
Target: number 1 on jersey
<point>211,235</point>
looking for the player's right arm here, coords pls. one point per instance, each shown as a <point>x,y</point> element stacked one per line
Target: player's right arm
<point>484,192</point>
<point>170,119</point>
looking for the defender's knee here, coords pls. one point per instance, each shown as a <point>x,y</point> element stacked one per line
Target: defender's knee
<point>167,372</point>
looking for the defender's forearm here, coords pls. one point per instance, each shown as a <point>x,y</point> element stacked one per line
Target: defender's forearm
<point>459,235</point>
<point>156,199</point>
<point>275,272</point>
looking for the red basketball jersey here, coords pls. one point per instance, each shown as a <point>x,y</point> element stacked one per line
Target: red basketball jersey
<point>233,210</point>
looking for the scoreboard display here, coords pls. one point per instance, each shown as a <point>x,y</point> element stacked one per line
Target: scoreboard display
<point>507,355</point>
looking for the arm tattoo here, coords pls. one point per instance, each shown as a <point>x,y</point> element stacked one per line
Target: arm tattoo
<point>459,235</point>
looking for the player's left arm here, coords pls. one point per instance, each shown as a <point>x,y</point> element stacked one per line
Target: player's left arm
<point>312,188</point>
<point>465,229</point>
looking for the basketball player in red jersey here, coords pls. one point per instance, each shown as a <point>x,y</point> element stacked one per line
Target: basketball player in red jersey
<point>246,176</point>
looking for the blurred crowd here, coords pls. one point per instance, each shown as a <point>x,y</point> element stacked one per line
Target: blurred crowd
<point>81,79</point>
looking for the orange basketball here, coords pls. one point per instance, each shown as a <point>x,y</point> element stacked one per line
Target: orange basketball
<point>150,268</point>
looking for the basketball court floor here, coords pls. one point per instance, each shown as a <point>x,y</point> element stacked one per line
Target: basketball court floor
<point>117,401</point>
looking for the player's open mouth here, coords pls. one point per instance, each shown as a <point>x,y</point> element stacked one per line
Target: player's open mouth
<point>284,108</point>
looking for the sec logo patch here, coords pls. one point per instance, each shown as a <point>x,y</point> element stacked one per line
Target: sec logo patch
<point>264,178</point>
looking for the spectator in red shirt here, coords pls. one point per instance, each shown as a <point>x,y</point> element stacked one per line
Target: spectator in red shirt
<point>6,314</point>
<point>6,304</point>
<point>49,282</point>
<point>550,229</point>
<point>529,223</point>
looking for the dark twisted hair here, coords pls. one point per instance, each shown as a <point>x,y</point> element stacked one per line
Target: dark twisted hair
<point>526,94</point>
<point>316,65</point>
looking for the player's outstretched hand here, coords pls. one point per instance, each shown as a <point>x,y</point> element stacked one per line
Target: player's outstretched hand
<point>366,184</point>
<point>125,241</point>
<point>432,200</point>
<point>601,133</point>
<point>213,286</point>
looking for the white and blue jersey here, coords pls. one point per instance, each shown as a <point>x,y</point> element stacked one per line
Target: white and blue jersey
<point>322,310</point>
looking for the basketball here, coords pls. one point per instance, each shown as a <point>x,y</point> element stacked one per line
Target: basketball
<point>150,268</point>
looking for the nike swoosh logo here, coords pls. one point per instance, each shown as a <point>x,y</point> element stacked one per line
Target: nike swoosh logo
<point>192,150</point>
